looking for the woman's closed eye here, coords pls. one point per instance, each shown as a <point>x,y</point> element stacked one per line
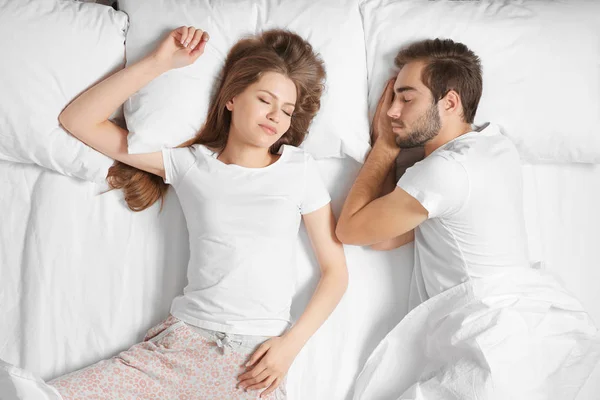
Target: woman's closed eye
<point>289,114</point>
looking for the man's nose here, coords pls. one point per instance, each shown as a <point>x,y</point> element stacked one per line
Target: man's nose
<point>394,111</point>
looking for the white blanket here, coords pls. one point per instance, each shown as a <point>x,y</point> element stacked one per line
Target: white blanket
<point>516,335</point>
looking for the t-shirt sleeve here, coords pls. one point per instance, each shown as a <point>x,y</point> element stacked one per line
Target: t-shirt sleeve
<point>315,193</point>
<point>177,162</point>
<point>439,183</point>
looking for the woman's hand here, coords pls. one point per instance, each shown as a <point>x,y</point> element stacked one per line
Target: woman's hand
<point>276,356</point>
<point>181,47</point>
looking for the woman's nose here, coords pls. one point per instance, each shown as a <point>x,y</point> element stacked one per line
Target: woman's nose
<point>273,116</point>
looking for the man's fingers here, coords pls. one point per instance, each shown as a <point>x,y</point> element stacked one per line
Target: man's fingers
<point>388,94</point>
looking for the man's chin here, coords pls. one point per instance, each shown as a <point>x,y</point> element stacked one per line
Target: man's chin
<point>402,143</point>
<point>407,144</point>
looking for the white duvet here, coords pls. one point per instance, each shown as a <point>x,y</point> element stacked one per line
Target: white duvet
<point>515,335</point>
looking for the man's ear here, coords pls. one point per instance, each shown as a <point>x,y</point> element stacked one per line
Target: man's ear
<point>451,102</point>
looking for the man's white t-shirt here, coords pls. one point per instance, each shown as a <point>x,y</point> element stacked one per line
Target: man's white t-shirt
<point>243,225</point>
<point>472,189</point>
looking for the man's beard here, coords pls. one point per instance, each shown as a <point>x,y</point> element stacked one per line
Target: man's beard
<point>424,129</point>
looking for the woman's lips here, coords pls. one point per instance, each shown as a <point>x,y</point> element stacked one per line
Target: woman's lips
<point>268,130</point>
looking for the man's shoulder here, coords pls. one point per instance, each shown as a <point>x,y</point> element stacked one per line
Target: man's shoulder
<point>483,143</point>
<point>440,165</point>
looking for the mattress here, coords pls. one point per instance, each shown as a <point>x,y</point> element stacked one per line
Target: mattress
<point>82,277</point>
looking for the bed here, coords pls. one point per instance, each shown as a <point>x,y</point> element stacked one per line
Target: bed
<point>82,277</point>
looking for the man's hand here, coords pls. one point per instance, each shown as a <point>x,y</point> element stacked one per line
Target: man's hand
<point>381,128</point>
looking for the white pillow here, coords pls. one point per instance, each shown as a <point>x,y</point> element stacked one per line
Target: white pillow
<point>51,51</point>
<point>172,108</point>
<point>541,65</point>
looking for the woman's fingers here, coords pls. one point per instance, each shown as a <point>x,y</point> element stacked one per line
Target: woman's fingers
<point>182,47</point>
<point>187,33</point>
<point>190,36</point>
<point>196,38</point>
<point>256,382</point>
<point>271,388</point>
<point>181,34</point>
<point>265,383</point>
<point>258,353</point>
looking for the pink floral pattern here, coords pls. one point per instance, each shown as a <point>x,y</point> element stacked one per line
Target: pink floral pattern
<point>173,362</point>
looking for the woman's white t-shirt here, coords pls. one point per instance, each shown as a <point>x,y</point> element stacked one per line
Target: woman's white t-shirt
<point>243,225</point>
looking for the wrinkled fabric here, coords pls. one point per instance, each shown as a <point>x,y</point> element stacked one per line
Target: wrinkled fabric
<point>517,335</point>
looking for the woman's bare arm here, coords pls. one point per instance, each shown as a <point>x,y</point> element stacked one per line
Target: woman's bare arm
<point>87,116</point>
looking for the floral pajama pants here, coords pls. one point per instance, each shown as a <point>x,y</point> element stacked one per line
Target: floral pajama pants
<point>174,362</point>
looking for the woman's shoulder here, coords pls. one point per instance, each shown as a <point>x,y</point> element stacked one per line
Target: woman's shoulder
<point>296,154</point>
<point>201,150</point>
<point>190,155</point>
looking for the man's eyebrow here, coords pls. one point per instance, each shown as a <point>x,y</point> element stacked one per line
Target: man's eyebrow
<point>273,95</point>
<point>404,89</point>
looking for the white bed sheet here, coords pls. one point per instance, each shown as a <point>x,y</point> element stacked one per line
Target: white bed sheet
<point>82,278</point>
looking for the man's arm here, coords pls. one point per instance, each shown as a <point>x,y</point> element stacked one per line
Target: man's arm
<point>396,242</point>
<point>388,186</point>
<point>366,218</point>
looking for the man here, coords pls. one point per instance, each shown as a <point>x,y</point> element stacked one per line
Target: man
<point>488,326</point>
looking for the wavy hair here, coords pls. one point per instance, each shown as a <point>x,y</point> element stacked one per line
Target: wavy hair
<point>274,50</point>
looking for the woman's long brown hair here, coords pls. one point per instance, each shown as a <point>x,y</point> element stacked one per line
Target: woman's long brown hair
<point>272,51</point>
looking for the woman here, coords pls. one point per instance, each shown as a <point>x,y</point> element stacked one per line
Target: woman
<point>243,187</point>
